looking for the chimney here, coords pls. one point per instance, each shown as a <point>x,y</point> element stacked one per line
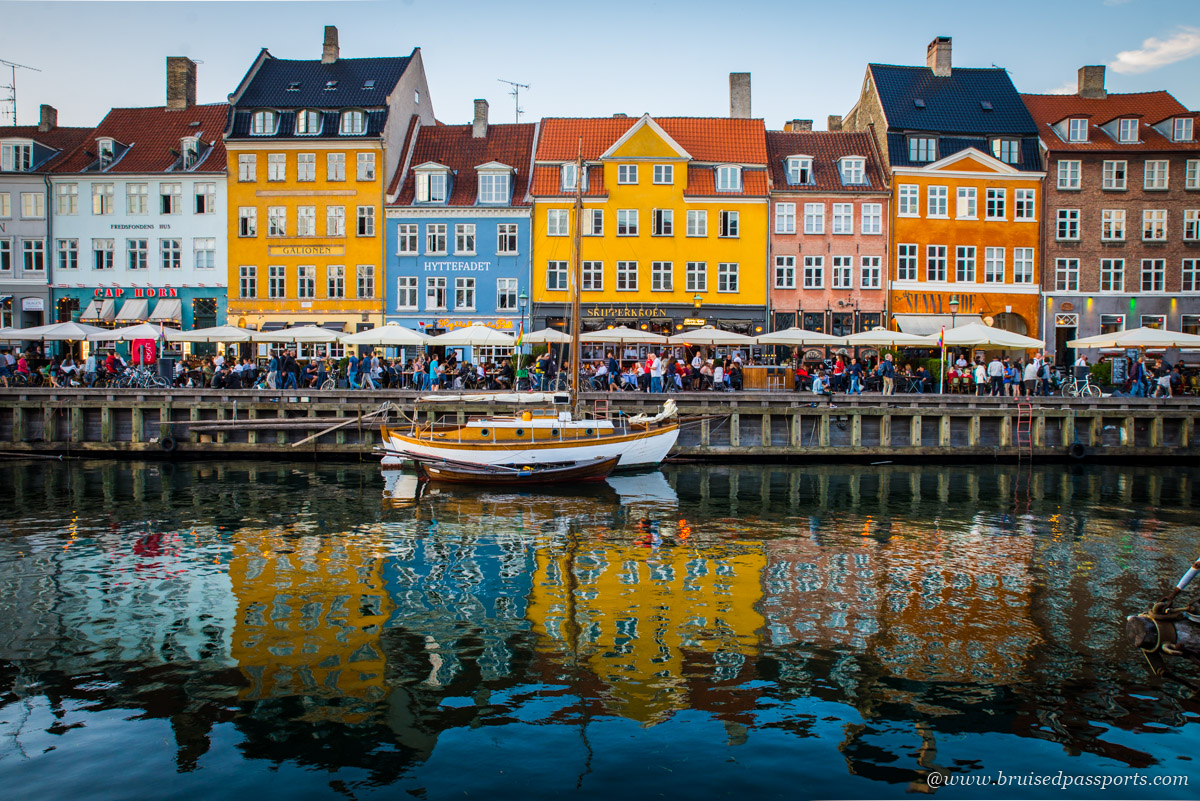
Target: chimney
<point>835,122</point>
<point>479,127</point>
<point>796,126</point>
<point>739,95</point>
<point>49,119</point>
<point>1091,82</point>
<point>181,82</point>
<point>937,56</point>
<point>329,52</point>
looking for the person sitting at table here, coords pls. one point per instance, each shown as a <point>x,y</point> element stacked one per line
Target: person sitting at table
<point>735,375</point>
<point>599,378</point>
<point>706,375</point>
<point>802,380</point>
<point>718,376</point>
<point>820,383</point>
<point>920,378</point>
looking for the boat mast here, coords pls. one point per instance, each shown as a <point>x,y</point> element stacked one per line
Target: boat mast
<point>576,277</point>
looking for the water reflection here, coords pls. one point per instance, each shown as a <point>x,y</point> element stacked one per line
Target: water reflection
<point>888,619</point>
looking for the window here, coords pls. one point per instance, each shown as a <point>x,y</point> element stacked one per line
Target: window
<point>661,276</point>
<point>1007,150</point>
<point>1068,174</point>
<point>276,167</point>
<point>262,123</point>
<point>843,218</point>
<point>935,263</point>
<point>247,221</point>
<point>68,254</point>
<point>335,166</point>
<point>1154,275</point>
<point>938,201</point>
<point>843,272</point>
<point>366,167</point>
<point>435,292</point>
<point>853,170</point>
<point>276,281</point>
<point>464,294</point>
<point>966,206</point>
<point>170,198</point>
<point>102,198</point>
<point>137,254</point>
<point>593,276</point>
<point>1114,175</point>
<point>106,151</point>
<point>306,221</point>
<point>1022,265</point>
<point>1066,275</point>
<point>593,222</point>
<point>872,218</point>
<point>406,239</point>
<point>1128,130</point>
<point>204,198</point>
<point>276,221</point>
<point>506,238</point>
<point>557,223</point>
<point>435,239</point>
<point>799,170</point>
<point>697,276</point>
<point>1112,323</point>
<point>697,223</point>
<point>6,256</point>
<point>406,292</point>
<point>247,167</point>
<point>814,218</point>
<point>997,202</point>
<point>493,187</point>
<point>102,254</point>
<point>729,224</point>
<point>906,262</point>
<point>785,272</point>
<point>627,276</point>
<point>556,275</point>
<point>627,174</point>
<point>247,281</point>
<point>204,252</point>
<point>1112,225</point>
<point>16,157</point>
<point>464,239</point>
<point>1191,225</point>
<point>354,123</point>
<point>308,122</point>
<point>785,218</point>
<point>727,277</point>
<point>1192,175</point>
<point>814,272</point>
<point>964,263</point>
<point>662,222</point>
<point>922,148</point>
<point>664,173</point>
<point>33,255</point>
<point>366,221</point>
<point>306,166</point>
<point>729,179</point>
<point>33,205</point>
<point>335,222</point>
<point>627,222</point>
<point>872,272</point>
<point>1190,275</point>
<point>1077,130</point>
<point>909,200</point>
<point>306,281</point>
<point>1024,201</point>
<point>68,198</point>
<point>335,281</point>
<point>1158,321</point>
<point>570,172</point>
<point>1154,225</point>
<point>1068,224</point>
<point>1182,129</point>
<point>993,265</point>
<point>170,253</point>
<point>1112,275</point>
<point>1156,175</point>
<point>431,187</point>
<point>506,294</point>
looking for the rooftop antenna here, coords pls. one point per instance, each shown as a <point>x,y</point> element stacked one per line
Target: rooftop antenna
<point>11,100</point>
<point>516,93</point>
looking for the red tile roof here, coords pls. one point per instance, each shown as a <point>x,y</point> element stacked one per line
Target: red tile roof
<point>702,183</point>
<point>458,149</point>
<point>1151,107</point>
<point>63,140</point>
<point>825,147</point>
<point>718,140</point>
<point>414,124</point>
<point>153,137</point>
<point>547,180</point>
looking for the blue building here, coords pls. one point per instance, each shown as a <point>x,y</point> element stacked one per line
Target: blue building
<point>458,236</point>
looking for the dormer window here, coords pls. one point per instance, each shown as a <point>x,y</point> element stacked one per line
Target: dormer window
<point>1182,130</point>
<point>369,83</point>
<point>922,149</point>
<point>1077,130</point>
<point>853,170</point>
<point>308,122</point>
<point>1007,150</point>
<point>729,179</point>
<point>263,122</point>
<point>330,86</point>
<point>570,172</point>
<point>493,183</point>
<point>294,86</point>
<point>189,149</point>
<point>432,186</point>
<point>354,122</point>
<point>799,170</point>
<point>1127,130</point>
<point>16,156</point>
<point>104,150</point>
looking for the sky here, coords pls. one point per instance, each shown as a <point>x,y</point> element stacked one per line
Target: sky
<point>668,58</point>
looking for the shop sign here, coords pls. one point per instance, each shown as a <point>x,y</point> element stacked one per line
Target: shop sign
<point>458,266</point>
<point>635,312</point>
<point>936,302</point>
<point>695,321</point>
<point>499,324</point>
<point>33,304</point>
<point>137,292</point>
<point>306,250</point>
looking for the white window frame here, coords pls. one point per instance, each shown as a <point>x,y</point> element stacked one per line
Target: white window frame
<point>593,222</point>
<point>871,272</point>
<point>729,178</point>
<point>922,149</point>
<point>407,290</point>
<point>1066,275</point>
<point>1154,225</point>
<point>306,281</point>
<point>1077,129</point>
<point>365,163</point>
<point>1156,175</point>
<point>910,201</point>
<point>353,122</point>
<point>1069,174</point>
<point>1114,175</point>
<point>627,276</point>
<point>785,218</point>
<point>842,219</point>
<point>872,219</point>
<point>1191,225</point>
<point>306,167</point>
<point>965,264</point>
<point>464,293</point>
<point>907,262</point>
<point>728,278</point>
<point>335,221</point>
<point>664,174</point>
<point>170,254</point>
<point>1192,174</point>
<point>627,174</point>
<point>662,276</point>
<point>697,222</point>
<point>247,221</point>
<point>204,253</point>
<point>408,238</point>
<point>842,272</point>
<point>1023,265</point>
<point>68,253</point>
<point>966,205</point>
<point>1112,275</point>
<point>506,295</point>
<point>437,296</point>
<point>1112,225</point>
<point>365,219</point>
<point>247,281</point>
<point>364,275</point>
<point>592,276</point>
<point>799,170</point>
<point>437,239</point>
<point>852,170</point>
<point>493,188</point>
<point>264,122</point>
<point>277,221</point>
<point>335,166</point>
<point>627,222</point>
<point>696,276</point>
<point>813,276</point>
<point>1127,130</point>
<point>1025,205</point>
<point>276,167</point>
<point>276,281</point>
<point>1066,228</point>
<point>729,224</point>
<point>137,254</point>
<point>508,241</point>
<point>247,167</point>
<point>1182,130</point>
<point>464,239</point>
<point>993,265</point>
<point>936,262</point>
<point>558,222</point>
<point>662,222</point>
<point>937,204</point>
<point>996,204</point>
<point>102,199</point>
<point>556,276</point>
<point>1154,275</point>
<point>1189,275</point>
<point>67,198</point>
<point>785,272</point>
<point>306,221</point>
<point>33,205</point>
<point>814,218</point>
<point>335,281</point>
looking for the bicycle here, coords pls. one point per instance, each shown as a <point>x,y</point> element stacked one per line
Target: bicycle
<point>1080,388</point>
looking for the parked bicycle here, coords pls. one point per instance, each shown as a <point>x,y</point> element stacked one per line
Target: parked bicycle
<point>1080,386</point>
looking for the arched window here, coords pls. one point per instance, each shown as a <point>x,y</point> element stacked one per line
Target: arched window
<point>263,122</point>
<point>308,122</point>
<point>354,122</point>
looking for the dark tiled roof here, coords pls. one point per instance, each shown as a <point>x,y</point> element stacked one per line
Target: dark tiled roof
<point>1151,107</point>
<point>825,147</point>
<point>268,87</point>
<point>708,139</point>
<point>64,140</point>
<point>455,147</point>
<point>152,137</point>
<point>1031,157</point>
<point>414,125</point>
<point>330,120</point>
<point>952,104</point>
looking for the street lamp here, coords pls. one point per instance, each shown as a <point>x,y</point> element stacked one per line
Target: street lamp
<point>953,309</point>
<point>522,304</point>
<point>696,301</point>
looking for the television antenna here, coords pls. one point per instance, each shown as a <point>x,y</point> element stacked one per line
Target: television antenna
<point>516,93</point>
<point>11,100</point>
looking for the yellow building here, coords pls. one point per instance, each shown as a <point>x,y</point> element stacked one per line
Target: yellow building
<point>674,229</point>
<point>310,144</point>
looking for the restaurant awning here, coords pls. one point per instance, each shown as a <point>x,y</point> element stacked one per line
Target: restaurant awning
<point>339,327</point>
<point>168,310</point>
<point>272,325</point>
<point>133,310</point>
<point>926,324</point>
<point>99,311</point>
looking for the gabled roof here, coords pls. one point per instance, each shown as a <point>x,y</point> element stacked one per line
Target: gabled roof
<point>455,147</point>
<point>664,138</point>
<point>1151,107</point>
<point>64,140</point>
<point>268,86</point>
<point>716,140</point>
<point>153,138</point>
<point>825,148</point>
<point>953,104</point>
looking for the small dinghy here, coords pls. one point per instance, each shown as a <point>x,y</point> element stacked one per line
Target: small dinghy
<point>513,475</point>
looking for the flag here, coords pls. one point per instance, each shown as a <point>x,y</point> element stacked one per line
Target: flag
<point>942,338</point>
<point>520,333</point>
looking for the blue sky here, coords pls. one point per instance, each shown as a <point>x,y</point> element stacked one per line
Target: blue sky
<point>595,59</point>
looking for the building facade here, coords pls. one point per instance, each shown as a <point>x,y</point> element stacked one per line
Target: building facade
<point>309,145</point>
<point>139,217</point>
<point>966,185</point>
<point>458,245</point>
<point>1122,233</point>
<point>27,154</point>
<point>830,205</point>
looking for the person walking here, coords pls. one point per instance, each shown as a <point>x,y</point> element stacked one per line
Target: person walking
<point>995,373</point>
<point>1030,376</point>
<point>656,372</point>
<point>856,376</point>
<point>887,371</point>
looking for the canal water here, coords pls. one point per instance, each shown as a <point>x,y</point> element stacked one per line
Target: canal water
<point>296,631</point>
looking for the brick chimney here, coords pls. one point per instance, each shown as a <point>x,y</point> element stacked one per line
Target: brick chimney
<point>739,95</point>
<point>479,127</point>
<point>937,56</point>
<point>181,82</point>
<point>330,50</point>
<point>1091,82</point>
<point>796,126</point>
<point>49,119</point>
<point>834,123</point>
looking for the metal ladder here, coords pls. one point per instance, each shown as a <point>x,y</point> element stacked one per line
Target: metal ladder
<point>600,410</point>
<point>1025,430</point>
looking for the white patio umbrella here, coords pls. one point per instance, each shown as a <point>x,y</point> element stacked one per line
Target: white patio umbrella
<point>60,332</point>
<point>883,338</point>
<point>622,335</point>
<point>800,337</point>
<point>218,333</point>
<point>710,336</point>
<point>130,333</point>
<point>474,335</point>
<point>392,335</point>
<point>978,334</point>
<point>299,334</point>
<point>9,334</point>
<point>546,336</point>
<point>1139,338</point>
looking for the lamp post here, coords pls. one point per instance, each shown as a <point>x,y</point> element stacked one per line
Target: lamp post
<point>522,304</point>
<point>953,309</point>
